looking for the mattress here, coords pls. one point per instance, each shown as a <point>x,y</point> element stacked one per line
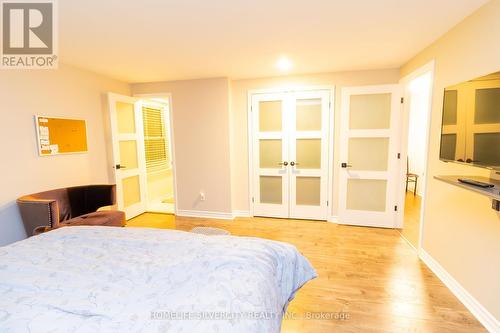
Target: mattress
<point>107,279</point>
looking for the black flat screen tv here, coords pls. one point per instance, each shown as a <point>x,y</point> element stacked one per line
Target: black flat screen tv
<point>470,130</point>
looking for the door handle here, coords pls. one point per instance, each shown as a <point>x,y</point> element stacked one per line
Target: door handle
<point>345,165</point>
<point>119,166</point>
<point>293,163</point>
<point>283,163</point>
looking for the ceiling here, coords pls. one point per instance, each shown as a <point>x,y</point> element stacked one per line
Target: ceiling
<point>157,40</point>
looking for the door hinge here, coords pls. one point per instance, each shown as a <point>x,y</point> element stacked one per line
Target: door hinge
<point>399,156</point>
<point>396,208</point>
<point>253,200</point>
<point>402,100</point>
<point>327,203</point>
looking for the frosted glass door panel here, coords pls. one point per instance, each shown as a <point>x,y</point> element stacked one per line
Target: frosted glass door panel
<point>308,117</point>
<point>368,153</point>
<point>308,191</point>
<point>270,152</point>
<point>125,114</point>
<point>270,116</point>
<point>309,153</point>
<point>366,194</point>
<point>131,191</point>
<point>128,154</point>
<point>271,190</point>
<point>372,111</point>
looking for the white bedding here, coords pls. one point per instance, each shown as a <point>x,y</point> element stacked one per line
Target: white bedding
<point>105,279</point>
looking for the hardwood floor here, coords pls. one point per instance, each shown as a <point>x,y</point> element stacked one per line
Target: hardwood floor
<point>370,276</point>
<point>153,220</point>
<point>411,227</point>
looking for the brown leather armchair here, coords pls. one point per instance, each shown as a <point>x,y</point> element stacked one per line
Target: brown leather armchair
<point>68,207</point>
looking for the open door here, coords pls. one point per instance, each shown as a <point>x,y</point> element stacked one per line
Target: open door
<point>369,155</point>
<point>127,134</point>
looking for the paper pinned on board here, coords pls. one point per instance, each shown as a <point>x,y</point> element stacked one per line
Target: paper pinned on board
<point>54,149</point>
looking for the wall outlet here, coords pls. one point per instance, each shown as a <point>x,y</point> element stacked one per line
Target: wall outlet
<point>202,196</point>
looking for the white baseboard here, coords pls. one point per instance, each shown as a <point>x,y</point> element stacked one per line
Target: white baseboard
<point>241,213</point>
<point>334,219</point>
<point>205,214</point>
<point>479,311</point>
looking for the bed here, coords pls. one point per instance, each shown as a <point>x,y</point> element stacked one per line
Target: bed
<point>105,279</point>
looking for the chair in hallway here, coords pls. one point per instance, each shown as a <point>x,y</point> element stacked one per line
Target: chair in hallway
<point>411,178</point>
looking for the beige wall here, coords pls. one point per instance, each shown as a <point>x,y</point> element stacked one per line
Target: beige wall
<point>201,137</point>
<point>239,123</point>
<point>462,232</point>
<point>66,92</point>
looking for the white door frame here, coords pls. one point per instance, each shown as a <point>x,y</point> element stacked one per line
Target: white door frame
<point>168,96</point>
<point>330,140</point>
<point>427,68</point>
<point>360,217</point>
<point>138,136</point>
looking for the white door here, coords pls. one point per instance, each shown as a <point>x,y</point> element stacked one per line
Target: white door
<point>128,153</point>
<point>309,123</point>
<point>369,157</point>
<point>270,154</point>
<point>290,154</point>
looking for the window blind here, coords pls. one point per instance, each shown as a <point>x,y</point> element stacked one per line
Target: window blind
<point>155,140</point>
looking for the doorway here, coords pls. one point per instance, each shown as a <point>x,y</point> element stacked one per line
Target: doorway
<point>158,154</point>
<point>142,158</point>
<point>416,123</point>
<point>289,154</point>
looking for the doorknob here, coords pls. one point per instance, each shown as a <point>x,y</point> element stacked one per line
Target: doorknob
<point>283,163</point>
<point>345,165</point>
<point>293,163</point>
<point>119,166</point>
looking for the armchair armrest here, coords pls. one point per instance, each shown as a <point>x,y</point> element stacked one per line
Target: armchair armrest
<point>38,212</point>
<point>41,230</point>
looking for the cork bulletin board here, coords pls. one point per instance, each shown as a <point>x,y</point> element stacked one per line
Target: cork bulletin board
<point>60,135</point>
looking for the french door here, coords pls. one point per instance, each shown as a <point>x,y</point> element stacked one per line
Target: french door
<point>290,154</point>
<point>369,144</point>
<point>127,135</point>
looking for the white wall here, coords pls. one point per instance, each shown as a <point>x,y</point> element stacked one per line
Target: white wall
<point>65,92</point>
